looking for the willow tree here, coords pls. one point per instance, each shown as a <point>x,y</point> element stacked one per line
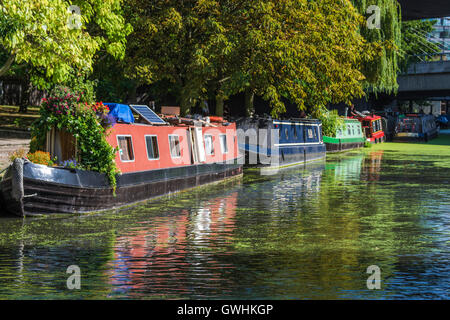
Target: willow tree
<point>385,39</point>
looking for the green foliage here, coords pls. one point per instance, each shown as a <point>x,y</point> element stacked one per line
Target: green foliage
<point>37,33</point>
<point>112,84</point>
<point>306,51</point>
<point>331,122</point>
<point>85,87</point>
<point>385,44</point>
<point>18,122</point>
<point>75,113</point>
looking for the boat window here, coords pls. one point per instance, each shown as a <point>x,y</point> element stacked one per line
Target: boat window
<point>295,132</point>
<point>174,144</point>
<point>223,143</point>
<point>313,133</point>
<point>286,132</point>
<point>125,145</point>
<point>209,147</point>
<point>376,126</point>
<point>152,147</point>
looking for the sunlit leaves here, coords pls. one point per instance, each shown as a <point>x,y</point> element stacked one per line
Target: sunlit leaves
<point>308,52</point>
<point>38,33</point>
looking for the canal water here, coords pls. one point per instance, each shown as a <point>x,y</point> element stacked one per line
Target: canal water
<point>304,233</point>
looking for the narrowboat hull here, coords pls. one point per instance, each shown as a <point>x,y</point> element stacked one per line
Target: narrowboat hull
<point>339,145</point>
<point>346,137</point>
<point>30,189</point>
<point>414,137</point>
<point>283,156</point>
<point>376,139</point>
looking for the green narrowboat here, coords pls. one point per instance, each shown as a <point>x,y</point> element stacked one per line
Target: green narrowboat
<point>348,137</point>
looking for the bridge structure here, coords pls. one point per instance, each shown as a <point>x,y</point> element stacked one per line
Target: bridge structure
<point>425,80</point>
<point>424,9</point>
<point>429,78</point>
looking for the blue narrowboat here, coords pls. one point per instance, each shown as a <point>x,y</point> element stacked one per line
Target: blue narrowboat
<point>280,143</point>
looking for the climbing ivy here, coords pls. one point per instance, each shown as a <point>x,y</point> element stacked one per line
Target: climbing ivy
<point>88,122</point>
<point>331,122</point>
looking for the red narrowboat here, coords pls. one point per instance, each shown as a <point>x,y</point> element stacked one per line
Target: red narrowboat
<point>372,127</point>
<point>155,155</point>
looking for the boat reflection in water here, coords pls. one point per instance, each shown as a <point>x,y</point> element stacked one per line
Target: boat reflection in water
<point>304,233</point>
<point>372,167</point>
<point>191,252</point>
<point>293,184</point>
<point>357,167</point>
<point>347,168</point>
<point>164,254</point>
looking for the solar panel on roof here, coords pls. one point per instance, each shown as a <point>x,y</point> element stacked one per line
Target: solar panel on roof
<point>147,113</point>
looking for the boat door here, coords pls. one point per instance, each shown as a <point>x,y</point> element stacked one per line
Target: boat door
<point>196,144</point>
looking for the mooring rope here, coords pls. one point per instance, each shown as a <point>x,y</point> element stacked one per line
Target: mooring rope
<point>17,191</point>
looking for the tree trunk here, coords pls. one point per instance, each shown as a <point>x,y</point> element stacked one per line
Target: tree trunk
<point>25,96</point>
<point>249,99</point>
<point>4,69</point>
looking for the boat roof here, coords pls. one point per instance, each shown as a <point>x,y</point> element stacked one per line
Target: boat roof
<point>351,120</point>
<point>368,117</point>
<point>124,113</point>
<point>417,115</point>
<point>295,120</point>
